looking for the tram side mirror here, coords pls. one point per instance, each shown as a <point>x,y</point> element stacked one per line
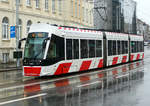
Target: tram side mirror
<point>20,41</point>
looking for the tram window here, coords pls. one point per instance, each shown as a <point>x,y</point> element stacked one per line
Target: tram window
<point>119,47</point>
<point>98,48</point>
<point>142,47</point>
<point>69,48</point>
<point>91,48</point>
<point>114,47</point>
<point>84,49</point>
<point>126,47</point>
<point>76,49</point>
<point>110,49</point>
<point>132,46</point>
<point>136,47</point>
<point>123,47</point>
<point>56,49</point>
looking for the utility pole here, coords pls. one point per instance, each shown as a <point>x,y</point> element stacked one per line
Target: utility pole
<point>17,30</point>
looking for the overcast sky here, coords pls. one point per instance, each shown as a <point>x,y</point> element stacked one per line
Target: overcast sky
<point>143,10</point>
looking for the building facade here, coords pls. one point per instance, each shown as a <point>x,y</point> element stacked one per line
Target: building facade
<point>115,15</point>
<point>102,14</point>
<point>61,12</point>
<point>143,29</point>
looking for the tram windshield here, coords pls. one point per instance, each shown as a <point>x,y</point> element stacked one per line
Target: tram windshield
<point>34,47</point>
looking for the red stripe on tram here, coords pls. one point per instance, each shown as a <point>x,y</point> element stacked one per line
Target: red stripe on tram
<point>124,59</point>
<point>115,60</point>
<point>100,65</point>
<point>138,57</point>
<point>85,65</point>
<point>131,57</point>
<point>32,71</point>
<point>143,56</point>
<point>63,68</point>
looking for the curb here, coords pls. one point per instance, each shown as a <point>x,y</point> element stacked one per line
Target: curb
<point>10,69</point>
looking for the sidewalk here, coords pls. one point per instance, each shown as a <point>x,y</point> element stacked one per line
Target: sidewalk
<point>9,67</point>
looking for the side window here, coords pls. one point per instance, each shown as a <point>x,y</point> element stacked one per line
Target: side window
<point>132,46</point>
<point>69,48</point>
<point>98,48</point>
<point>56,48</point>
<point>142,47</point>
<point>91,48</point>
<point>110,45</point>
<point>84,49</point>
<point>114,47</point>
<point>135,47</point>
<point>76,48</point>
<point>119,47</point>
<point>139,46</point>
<point>125,47</point>
<point>52,48</point>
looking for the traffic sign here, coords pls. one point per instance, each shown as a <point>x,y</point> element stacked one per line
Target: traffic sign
<point>12,31</point>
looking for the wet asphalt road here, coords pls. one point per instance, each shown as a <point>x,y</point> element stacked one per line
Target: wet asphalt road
<point>128,87</point>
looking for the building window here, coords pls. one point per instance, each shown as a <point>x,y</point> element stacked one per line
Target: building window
<point>60,6</point>
<point>79,11</point>
<point>5,25</point>
<point>19,1</point>
<point>76,9</point>
<point>28,2</point>
<point>53,6</point>
<point>5,0</point>
<point>37,3</point>
<point>28,25</point>
<point>5,57</point>
<point>82,13</point>
<point>46,4</point>
<point>72,8</point>
<point>87,15</point>
<point>20,28</point>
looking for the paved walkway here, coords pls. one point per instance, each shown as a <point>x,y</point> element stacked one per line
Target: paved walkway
<point>9,67</point>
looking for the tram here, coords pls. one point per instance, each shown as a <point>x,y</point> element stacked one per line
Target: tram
<point>55,50</point>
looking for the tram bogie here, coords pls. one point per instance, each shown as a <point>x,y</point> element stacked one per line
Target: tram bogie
<point>54,50</point>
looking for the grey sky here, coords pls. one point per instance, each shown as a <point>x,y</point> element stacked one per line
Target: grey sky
<point>143,10</point>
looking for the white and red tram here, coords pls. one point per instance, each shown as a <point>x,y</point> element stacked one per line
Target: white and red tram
<point>54,50</point>
<point>136,47</point>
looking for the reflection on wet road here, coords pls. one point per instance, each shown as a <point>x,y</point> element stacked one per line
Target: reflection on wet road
<point>81,90</point>
<point>124,85</point>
